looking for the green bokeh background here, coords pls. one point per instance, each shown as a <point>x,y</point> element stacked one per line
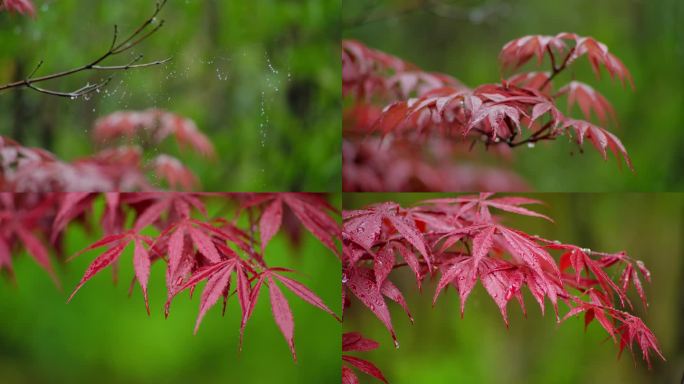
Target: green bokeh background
<point>646,35</point>
<point>260,78</point>
<point>443,348</point>
<point>106,337</point>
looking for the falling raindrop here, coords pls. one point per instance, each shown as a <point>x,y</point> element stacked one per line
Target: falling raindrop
<point>270,66</point>
<point>264,124</point>
<point>220,75</point>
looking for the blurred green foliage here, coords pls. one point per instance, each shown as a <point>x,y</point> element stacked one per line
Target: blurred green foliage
<point>463,39</point>
<point>441,347</point>
<point>106,337</point>
<point>261,79</point>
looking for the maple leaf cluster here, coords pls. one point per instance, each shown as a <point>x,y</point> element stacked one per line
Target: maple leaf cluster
<point>375,166</point>
<point>152,127</point>
<point>408,106</point>
<point>120,167</point>
<point>461,240</point>
<point>230,256</point>
<point>19,6</point>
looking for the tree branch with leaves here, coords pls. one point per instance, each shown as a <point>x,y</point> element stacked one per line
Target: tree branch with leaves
<point>459,241</point>
<point>406,106</point>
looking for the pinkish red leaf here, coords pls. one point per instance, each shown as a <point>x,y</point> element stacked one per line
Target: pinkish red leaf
<point>100,263</point>
<point>282,314</point>
<point>37,250</point>
<point>216,285</point>
<point>354,341</point>
<point>68,210</point>
<point>270,221</point>
<point>141,264</point>
<point>348,376</point>
<point>365,366</point>
<point>204,244</point>
<point>311,212</point>
<point>482,244</point>
<point>305,294</point>
<point>366,290</point>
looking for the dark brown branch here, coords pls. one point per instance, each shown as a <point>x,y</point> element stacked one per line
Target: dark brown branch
<point>531,140</point>
<point>556,70</point>
<point>135,38</point>
<point>510,141</point>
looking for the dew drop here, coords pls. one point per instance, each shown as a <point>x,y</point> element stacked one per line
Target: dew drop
<point>530,145</point>
<point>396,344</point>
<point>510,293</point>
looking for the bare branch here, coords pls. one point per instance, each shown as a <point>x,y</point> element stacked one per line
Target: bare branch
<point>141,34</point>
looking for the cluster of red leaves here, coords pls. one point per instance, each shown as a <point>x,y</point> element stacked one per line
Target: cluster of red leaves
<point>116,168</point>
<point>152,126</point>
<point>375,166</point>
<point>461,241</point>
<point>19,6</point>
<point>520,110</point>
<point>26,169</point>
<point>194,247</point>
<point>368,73</point>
